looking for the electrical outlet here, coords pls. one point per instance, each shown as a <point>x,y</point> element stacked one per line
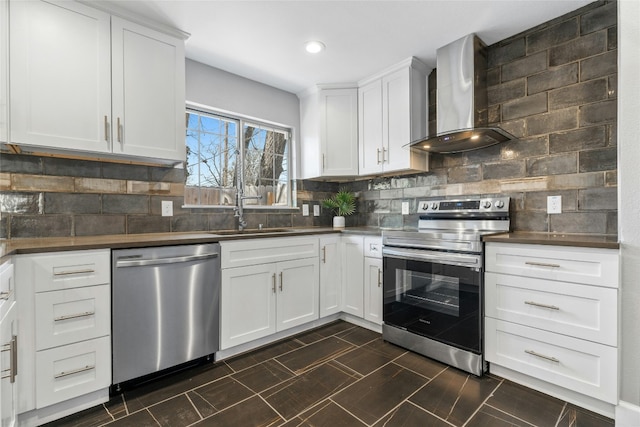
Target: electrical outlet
<point>554,204</point>
<point>167,208</point>
<point>316,210</point>
<point>305,210</point>
<point>405,208</point>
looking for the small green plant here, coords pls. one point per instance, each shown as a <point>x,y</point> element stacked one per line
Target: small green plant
<point>343,203</point>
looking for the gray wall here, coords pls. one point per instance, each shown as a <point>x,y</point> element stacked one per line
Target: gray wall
<point>554,87</point>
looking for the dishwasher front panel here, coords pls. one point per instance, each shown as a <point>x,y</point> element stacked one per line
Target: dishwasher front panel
<point>165,307</point>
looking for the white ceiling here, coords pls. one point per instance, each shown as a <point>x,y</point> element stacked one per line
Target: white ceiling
<point>263,40</point>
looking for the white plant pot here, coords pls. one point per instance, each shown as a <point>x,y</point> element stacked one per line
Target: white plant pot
<point>338,222</point>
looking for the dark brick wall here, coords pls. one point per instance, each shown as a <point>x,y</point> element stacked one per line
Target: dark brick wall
<point>554,88</point>
<point>53,197</point>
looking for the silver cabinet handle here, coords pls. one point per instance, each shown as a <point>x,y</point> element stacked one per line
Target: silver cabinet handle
<point>322,161</point>
<point>537,304</point>
<point>542,356</point>
<point>383,151</point>
<point>75,371</point>
<point>106,129</point>
<point>74,316</point>
<point>542,264</point>
<point>324,254</point>
<point>281,281</point>
<point>72,272</point>
<point>379,277</point>
<point>156,261</point>
<point>273,287</point>
<point>119,130</point>
<point>12,348</point>
<point>6,295</point>
<point>378,156</point>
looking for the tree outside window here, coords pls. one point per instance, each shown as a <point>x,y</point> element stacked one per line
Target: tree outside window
<point>213,145</point>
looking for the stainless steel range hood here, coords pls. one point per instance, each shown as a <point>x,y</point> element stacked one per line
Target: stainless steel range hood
<point>461,105</point>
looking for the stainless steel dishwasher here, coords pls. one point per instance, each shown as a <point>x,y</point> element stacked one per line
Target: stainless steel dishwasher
<point>165,307</point>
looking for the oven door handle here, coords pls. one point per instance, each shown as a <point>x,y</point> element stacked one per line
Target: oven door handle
<point>436,257</point>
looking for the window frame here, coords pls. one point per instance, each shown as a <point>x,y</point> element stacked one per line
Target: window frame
<point>241,122</point>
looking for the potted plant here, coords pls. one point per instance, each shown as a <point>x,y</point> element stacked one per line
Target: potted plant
<point>342,203</point>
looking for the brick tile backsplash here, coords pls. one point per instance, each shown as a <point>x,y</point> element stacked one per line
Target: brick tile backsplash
<point>553,87</point>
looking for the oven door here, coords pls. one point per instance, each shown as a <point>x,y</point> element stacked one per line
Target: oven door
<point>434,294</point>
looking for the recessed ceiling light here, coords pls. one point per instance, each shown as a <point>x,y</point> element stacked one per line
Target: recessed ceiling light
<point>314,46</point>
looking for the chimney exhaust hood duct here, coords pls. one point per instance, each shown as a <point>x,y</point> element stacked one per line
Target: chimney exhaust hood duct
<point>461,107</point>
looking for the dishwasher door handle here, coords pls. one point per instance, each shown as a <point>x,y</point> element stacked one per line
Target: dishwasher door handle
<point>158,261</point>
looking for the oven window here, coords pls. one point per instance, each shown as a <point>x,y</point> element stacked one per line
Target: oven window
<point>438,301</point>
<point>430,291</point>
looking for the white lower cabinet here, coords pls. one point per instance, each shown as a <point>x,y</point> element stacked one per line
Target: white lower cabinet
<point>8,348</point>
<point>330,276</point>
<point>373,279</point>
<point>260,297</point>
<point>352,248</point>
<point>65,329</point>
<point>552,319</point>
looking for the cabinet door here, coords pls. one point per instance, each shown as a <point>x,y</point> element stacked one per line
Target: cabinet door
<point>247,304</point>
<point>339,131</point>
<point>60,75</point>
<point>298,290</point>
<point>8,367</point>
<point>330,276</point>
<point>353,275</point>
<point>396,124</point>
<point>148,92</point>
<point>370,128</point>
<point>373,290</point>
<point>4,70</point>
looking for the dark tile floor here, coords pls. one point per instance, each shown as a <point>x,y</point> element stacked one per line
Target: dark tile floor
<point>336,375</point>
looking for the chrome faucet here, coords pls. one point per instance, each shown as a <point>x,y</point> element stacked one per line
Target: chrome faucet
<point>240,197</point>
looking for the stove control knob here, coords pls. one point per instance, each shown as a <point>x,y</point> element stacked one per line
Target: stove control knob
<point>486,204</point>
<point>499,204</point>
<point>425,206</point>
<point>434,206</point>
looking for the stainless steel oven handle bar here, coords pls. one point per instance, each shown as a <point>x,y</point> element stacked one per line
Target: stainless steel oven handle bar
<point>463,260</point>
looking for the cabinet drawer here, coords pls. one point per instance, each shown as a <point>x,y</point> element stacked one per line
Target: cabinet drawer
<point>72,370</point>
<point>373,247</point>
<point>581,311</point>
<point>568,264</point>
<point>65,317</point>
<point>261,251</point>
<point>55,271</point>
<point>575,364</point>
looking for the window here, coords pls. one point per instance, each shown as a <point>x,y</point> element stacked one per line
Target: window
<point>218,146</point>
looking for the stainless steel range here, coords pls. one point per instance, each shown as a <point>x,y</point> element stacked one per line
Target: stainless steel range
<point>433,280</point>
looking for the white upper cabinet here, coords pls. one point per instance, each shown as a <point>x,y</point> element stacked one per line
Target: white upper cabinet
<point>85,81</point>
<point>329,132</point>
<point>392,112</point>
<point>60,76</point>
<point>4,69</point>
<point>148,79</point>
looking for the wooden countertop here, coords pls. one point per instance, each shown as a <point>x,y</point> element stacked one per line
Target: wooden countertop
<point>557,239</point>
<point>120,241</point>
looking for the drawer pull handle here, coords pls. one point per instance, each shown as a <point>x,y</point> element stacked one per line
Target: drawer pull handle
<point>273,288</point>
<point>542,264</point>
<point>6,295</point>
<point>281,280</point>
<point>324,254</point>
<point>74,316</point>
<point>75,371</point>
<point>12,347</point>
<point>72,272</point>
<point>537,304</point>
<point>542,356</point>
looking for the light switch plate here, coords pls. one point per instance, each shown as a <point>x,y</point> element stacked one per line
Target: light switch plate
<point>316,210</point>
<point>167,208</point>
<point>554,204</point>
<point>305,210</point>
<point>405,208</point>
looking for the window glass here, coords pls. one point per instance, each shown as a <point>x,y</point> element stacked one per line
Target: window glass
<point>214,144</point>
